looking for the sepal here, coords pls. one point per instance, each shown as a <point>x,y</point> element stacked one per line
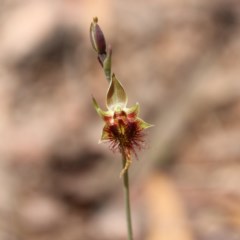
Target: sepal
<point>105,115</point>
<point>116,95</point>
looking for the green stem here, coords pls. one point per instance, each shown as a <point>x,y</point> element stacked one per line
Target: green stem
<point>127,200</point>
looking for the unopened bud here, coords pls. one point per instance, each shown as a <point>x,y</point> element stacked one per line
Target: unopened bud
<point>97,37</point>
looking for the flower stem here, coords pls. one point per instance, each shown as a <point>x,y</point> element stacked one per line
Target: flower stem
<point>127,199</point>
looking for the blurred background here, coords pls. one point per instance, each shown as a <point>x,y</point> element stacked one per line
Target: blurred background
<point>180,59</point>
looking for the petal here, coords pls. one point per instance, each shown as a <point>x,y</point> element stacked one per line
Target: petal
<point>143,124</point>
<point>133,111</point>
<point>116,96</point>
<point>105,115</point>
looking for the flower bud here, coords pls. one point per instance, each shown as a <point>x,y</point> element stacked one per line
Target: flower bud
<point>97,37</point>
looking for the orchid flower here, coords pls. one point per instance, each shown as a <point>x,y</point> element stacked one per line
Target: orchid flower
<point>123,128</point>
